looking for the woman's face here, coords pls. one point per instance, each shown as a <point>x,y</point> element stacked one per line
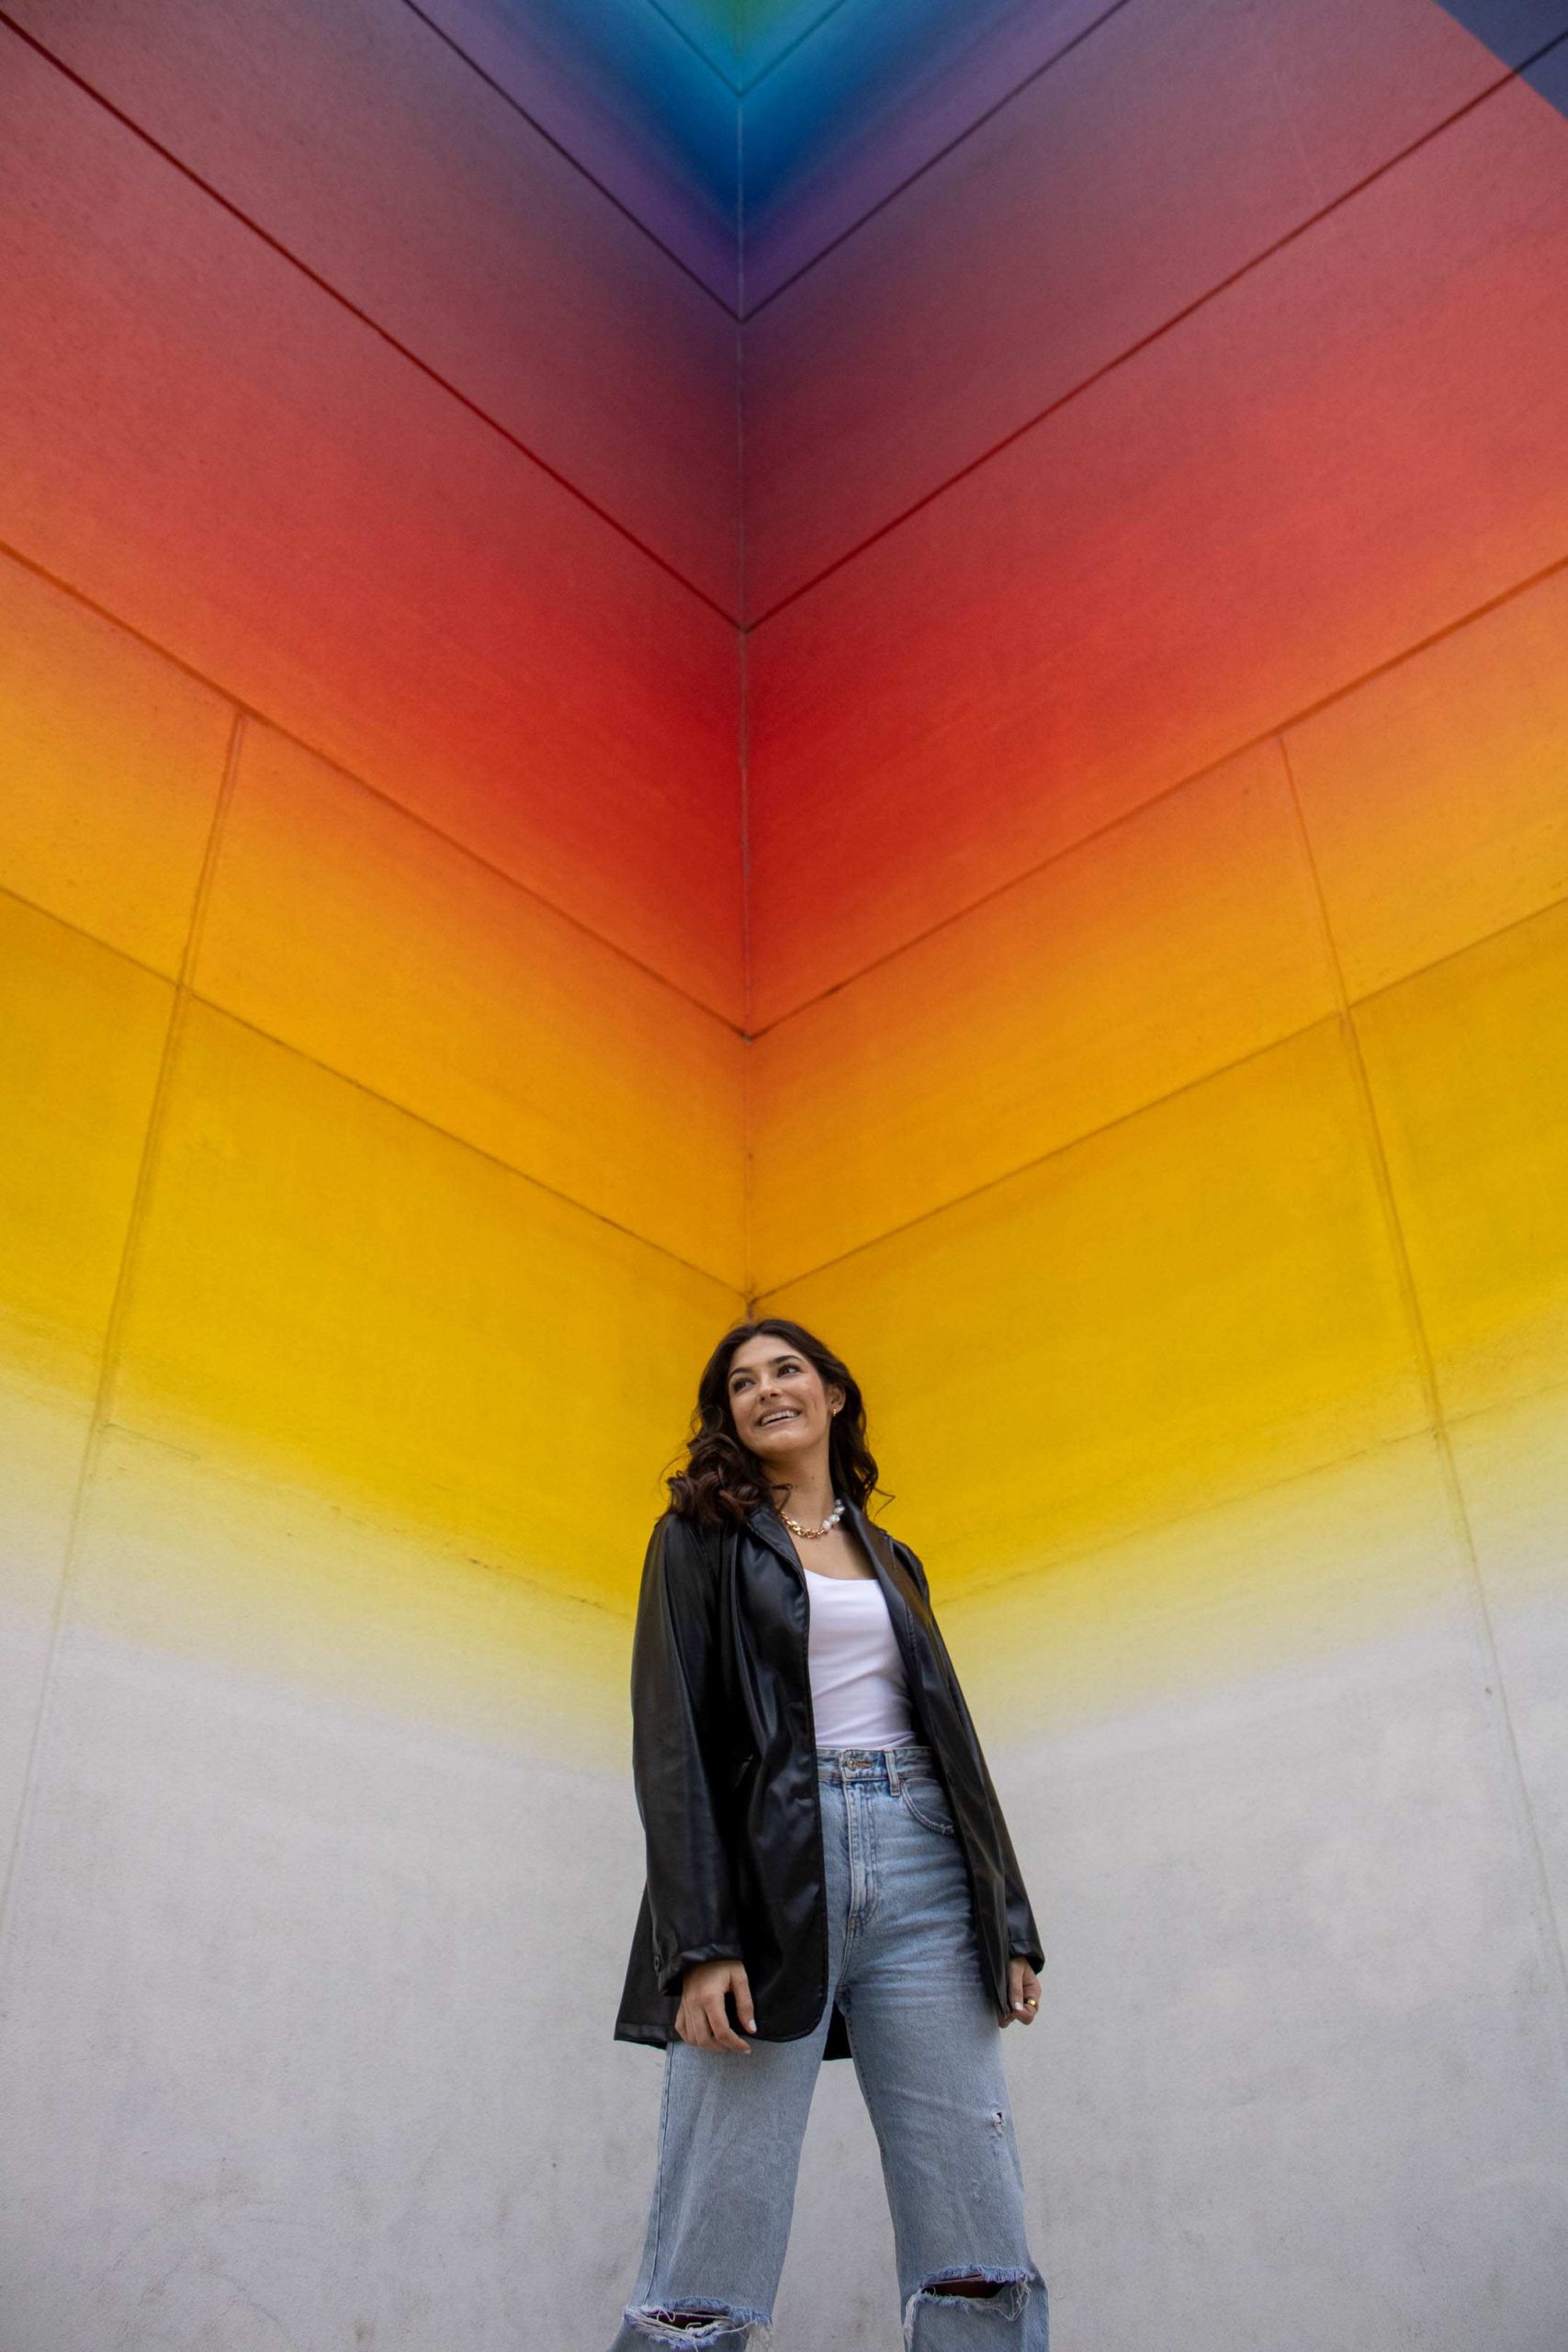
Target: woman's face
<point>782,1410</point>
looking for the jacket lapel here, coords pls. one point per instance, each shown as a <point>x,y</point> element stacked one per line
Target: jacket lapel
<point>767,1524</point>
<point>902,1594</point>
<point>913,1627</point>
<point>891,1572</point>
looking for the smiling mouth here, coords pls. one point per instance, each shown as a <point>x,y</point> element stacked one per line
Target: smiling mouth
<point>768,1419</point>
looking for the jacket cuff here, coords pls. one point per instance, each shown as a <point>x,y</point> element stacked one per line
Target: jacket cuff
<point>1023,1932</point>
<point>672,1971</point>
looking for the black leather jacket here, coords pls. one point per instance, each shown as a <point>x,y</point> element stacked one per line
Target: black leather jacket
<point>725,1770</point>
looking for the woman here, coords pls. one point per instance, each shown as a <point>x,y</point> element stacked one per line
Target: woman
<point>828,1875</point>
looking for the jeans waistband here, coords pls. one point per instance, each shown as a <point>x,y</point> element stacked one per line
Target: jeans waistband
<point>882,1766</point>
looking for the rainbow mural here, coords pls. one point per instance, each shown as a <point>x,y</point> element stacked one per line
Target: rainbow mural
<point>908,665</point>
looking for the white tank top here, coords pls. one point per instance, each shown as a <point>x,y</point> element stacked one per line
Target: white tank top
<point>859,1696</point>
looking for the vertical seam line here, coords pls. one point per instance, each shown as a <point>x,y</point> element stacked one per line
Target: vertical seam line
<point>1495,1686</point>
<point>743,746</point>
<point>108,1362</point>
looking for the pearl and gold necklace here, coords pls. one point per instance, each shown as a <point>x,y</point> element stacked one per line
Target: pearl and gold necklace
<point>834,1516</point>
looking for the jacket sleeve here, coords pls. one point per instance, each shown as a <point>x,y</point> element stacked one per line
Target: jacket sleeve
<point>1023,1933</point>
<point>674,1714</point>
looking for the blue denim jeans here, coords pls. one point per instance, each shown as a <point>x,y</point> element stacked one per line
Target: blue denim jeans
<point>905,1963</point>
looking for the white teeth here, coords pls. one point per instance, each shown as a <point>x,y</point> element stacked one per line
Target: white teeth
<point>769,1418</point>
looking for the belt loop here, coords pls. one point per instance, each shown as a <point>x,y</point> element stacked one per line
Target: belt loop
<point>893,1779</point>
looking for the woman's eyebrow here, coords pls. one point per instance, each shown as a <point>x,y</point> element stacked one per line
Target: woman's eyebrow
<point>787,1357</point>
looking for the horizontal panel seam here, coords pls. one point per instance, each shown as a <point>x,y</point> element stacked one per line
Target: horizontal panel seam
<point>364,318</point>
<point>1035,73</point>
<point>1132,351</point>
<point>362,1086</point>
<point>1127,817</point>
<point>1158,1102</point>
<point>377,792</point>
<point>566,154</point>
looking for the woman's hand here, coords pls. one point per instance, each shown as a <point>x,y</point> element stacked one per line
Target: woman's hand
<point>1023,1991</point>
<point>700,2020</point>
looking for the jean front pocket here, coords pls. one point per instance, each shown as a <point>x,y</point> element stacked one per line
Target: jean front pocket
<point>922,1795</point>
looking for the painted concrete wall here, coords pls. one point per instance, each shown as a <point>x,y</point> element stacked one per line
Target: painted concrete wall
<point>1156,516</point>
<point>372,1162</point>
<point>1132,1035</point>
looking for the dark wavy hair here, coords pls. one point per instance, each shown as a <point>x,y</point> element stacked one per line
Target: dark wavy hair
<point>721,1479</point>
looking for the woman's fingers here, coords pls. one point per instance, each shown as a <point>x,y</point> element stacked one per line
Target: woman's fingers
<point>732,1981</point>
<point>701,2018</point>
<point>1023,1991</point>
<point>723,2035</point>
